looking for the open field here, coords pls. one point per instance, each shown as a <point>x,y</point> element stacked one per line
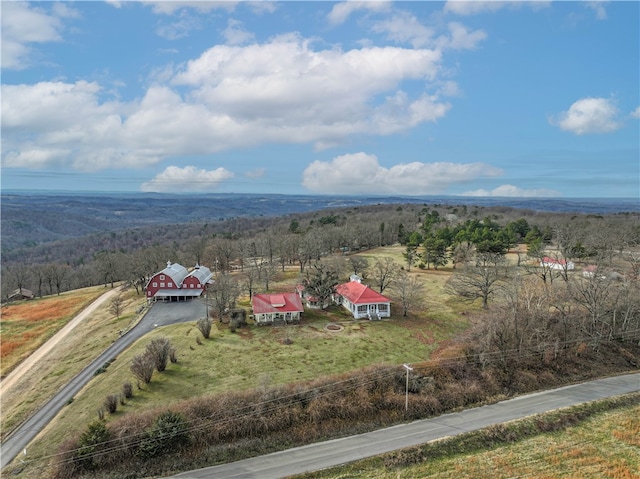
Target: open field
<point>26,325</point>
<point>252,357</point>
<point>87,341</point>
<point>255,356</point>
<point>607,444</point>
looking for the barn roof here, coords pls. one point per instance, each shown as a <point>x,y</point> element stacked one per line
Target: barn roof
<point>276,303</point>
<point>176,272</point>
<point>358,293</point>
<point>203,274</point>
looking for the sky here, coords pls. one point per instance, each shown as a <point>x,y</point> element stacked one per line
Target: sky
<point>480,98</point>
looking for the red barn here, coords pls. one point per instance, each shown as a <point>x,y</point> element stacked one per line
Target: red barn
<point>176,283</point>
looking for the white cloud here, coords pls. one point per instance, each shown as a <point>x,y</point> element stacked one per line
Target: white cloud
<point>180,28</point>
<point>257,173</point>
<point>475,7</point>
<point>636,113</point>
<point>24,25</point>
<point>186,180</point>
<point>514,191</point>
<point>171,7</point>
<point>234,34</point>
<point>231,96</point>
<point>360,173</point>
<point>463,39</point>
<point>341,11</point>
<point>404,27</point>
<point>598,8</point>
<point>589,115</point>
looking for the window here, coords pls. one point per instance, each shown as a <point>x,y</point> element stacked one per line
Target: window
<point>191,285</point>
<point>382,307</point>
<point>162,284</point>
<point>362,309</point>
<point>170,284</point>
<point>154,284</point>
<point>161,276</point>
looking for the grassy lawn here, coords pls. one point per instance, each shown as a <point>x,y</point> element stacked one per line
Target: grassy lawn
<point>253,356</point>
<point>28,324</point>
<point>256,356</point>
<point>605,445</point>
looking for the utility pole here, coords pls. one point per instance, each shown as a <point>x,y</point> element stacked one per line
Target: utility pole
<point>406,394</point>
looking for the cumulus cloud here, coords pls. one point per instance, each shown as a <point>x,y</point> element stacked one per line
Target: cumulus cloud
<point>282,91</point>
<point>360,173</point>
<point>474,7</point>
<point>636,113</point>
<point>341,11</point>
<point>186,180</point>
<point>589,115</point>
<point>514,191</point>
<point>24,25</point>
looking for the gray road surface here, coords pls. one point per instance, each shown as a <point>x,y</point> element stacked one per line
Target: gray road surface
<point>160,314</point>
<point>322,455</point>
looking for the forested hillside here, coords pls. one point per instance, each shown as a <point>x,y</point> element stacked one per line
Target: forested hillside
<point>55,243</point>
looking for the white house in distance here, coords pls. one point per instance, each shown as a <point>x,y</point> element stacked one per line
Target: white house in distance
<point>176,283</point>
<point>559,264</point>
<point>361,301</point>
<point>276,308</point>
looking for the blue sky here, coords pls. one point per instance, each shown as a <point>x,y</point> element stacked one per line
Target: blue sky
<point>530,99</point>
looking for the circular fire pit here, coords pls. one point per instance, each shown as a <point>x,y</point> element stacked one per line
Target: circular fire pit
<point>333,327</point>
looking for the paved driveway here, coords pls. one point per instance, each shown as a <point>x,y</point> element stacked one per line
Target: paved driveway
<point>163,314</point>
<point>160,314</point>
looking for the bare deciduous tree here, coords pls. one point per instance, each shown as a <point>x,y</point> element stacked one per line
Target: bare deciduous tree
<point>384,272</point>
<point>223,294</point>
<point>410,290</point>
<point>116,306</point>
<point>480,280</point>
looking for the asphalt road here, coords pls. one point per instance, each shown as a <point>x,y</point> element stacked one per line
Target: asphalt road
<point>327,454</point>
<point>160,314</point>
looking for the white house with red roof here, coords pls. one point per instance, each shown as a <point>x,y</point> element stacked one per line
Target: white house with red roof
<point>276,308</point>
<point>559,264</point>
<point>361,301</point>
<point>176,283</point>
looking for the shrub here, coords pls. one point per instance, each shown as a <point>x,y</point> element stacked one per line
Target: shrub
<point>204,325</point>
<point>168,432</point>
<point>159,350</point>
<point>127,390</point>
<point>142,367</point>
<point>111,403</point>
<point>92,440</point>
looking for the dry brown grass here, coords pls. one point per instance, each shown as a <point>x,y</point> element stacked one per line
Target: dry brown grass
<point>28,324</point>
<point>87,341</point>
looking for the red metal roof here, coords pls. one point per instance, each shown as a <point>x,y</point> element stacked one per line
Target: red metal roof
<point>276,303</point>
<point>358,293</point>
<point>549,260</point>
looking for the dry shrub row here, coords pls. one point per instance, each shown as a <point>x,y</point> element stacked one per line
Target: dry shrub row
<point>267,419</point>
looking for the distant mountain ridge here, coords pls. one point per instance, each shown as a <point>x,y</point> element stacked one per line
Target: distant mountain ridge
<point>30,218</point>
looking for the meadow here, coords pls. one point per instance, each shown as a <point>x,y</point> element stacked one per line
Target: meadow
<point>604,444</point>
<point>28,324</point>
<point>251,357</point>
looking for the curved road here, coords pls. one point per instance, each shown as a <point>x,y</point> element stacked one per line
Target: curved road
<point>160,314</point>
<point>315,457</point>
